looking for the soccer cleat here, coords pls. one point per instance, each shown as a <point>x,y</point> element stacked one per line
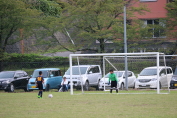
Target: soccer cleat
<point>38,96</point>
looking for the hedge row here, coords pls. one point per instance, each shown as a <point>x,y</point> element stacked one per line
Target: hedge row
<point>15,57</point>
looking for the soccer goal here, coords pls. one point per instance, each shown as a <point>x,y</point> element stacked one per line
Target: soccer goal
<point>136,62</point>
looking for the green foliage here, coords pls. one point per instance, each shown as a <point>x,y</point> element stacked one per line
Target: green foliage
<point>15,57</point>
<point>48,7</point>
<point>100,20</point>
<point>14,15</point>
<point>171,19</point>
<point>49,25</point>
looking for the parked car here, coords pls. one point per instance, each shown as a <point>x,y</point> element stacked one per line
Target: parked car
<point>173,82</point>
<point>52,79</point>
<point>11,80</point>
<point>88,75</point>
<point>121,80</point>
<point>148,77</point>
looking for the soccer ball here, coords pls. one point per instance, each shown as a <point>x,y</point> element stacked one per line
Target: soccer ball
<point>50,96</point>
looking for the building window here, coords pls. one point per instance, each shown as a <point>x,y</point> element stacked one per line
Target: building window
<point>156,28</point>
<point>170,1</point>
<point>148,0</point>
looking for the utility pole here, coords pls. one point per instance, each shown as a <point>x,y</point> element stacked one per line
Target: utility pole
<point>125,48</point>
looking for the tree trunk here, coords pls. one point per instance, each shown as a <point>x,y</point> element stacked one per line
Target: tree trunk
<point>1,60</point>
<point>102,50</point>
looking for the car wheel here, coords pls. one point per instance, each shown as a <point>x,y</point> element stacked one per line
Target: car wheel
<point>11,88</point>
<point>98,85</point>
<point>86,86</point>
<point>47,88</point>
<point>122,86</point>
<point>26,88</point>
<point>134,86</point>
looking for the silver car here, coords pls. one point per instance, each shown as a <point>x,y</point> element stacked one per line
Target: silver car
<point>88,75</point>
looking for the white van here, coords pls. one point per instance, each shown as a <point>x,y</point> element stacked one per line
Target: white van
<point>148,77</point>
<point>88,75</point>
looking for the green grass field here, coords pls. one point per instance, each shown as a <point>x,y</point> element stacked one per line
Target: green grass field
<point>88,105</point>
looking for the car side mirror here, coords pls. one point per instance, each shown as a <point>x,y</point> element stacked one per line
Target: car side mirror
<point>90,72</point>
<point>162,74</point>
<point>51,75</point>
<point>16,76</point>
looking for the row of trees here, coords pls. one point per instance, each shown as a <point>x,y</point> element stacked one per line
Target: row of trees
<point>82,22</point>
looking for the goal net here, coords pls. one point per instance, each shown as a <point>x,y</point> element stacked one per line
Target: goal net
<point>89,72</point>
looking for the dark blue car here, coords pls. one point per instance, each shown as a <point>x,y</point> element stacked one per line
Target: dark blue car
<point>173,82</point>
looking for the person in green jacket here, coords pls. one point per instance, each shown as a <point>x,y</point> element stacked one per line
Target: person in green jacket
<point>113,78</point>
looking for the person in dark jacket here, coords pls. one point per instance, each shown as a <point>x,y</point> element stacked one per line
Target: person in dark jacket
<point>39,84</point>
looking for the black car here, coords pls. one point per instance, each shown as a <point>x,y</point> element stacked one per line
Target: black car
<point>173,82</point>
<point>11,80</point>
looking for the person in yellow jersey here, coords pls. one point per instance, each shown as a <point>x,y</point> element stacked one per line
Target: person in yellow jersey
<point>39,84</point>
<point>113,79</point>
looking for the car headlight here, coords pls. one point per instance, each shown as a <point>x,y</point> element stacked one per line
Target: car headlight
<point>154,79</point>
<point>101,80</point>
<point>6,82</point>
<point>173,78</point>
<point>28,81</point>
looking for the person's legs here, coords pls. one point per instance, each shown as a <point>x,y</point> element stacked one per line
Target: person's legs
<point>39,94</point>
<point>111,90</point>
<point>59,86</point>
<point>64,88</point>
<point>41,91</point>
<point>112,85</point>
<point>116,87</point>
<point>116,90</point>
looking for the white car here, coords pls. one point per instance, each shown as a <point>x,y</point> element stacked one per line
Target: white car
<point>148,77</point>
<point>121,80</point>
<point>88,75</point>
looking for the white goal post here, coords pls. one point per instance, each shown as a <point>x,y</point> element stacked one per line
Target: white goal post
<point>154,54</point>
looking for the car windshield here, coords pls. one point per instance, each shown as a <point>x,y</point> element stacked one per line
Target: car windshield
<point>148,72</point>
<point>36,73</point>
<point>119,74</point>
<point>6,75</point>
<point>76,70</point>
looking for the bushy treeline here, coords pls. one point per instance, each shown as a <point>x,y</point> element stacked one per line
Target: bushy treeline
<point>15,57</point>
